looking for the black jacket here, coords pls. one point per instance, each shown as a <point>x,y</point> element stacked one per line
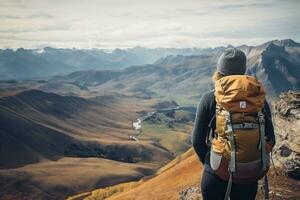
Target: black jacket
<point>204,117</point>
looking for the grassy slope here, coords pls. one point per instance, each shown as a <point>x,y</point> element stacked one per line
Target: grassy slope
<point>178,174</point>
<point>183,172</point>
<point>174,139</point>
<point>42,131</point>
<point>173,178</point>
<point>67,176</point>
<point>37,135</point>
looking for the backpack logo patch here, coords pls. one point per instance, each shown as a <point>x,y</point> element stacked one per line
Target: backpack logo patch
<point>243,104</point>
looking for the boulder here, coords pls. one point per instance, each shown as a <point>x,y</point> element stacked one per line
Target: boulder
<point>288,106</point>
<point>292,167</point>
<point>190,193</point>
<point>285,151</point>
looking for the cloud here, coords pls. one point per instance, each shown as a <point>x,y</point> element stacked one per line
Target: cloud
<point>238,6</point>
<point>32,16</point>
<point>7,16</point>
<point>119,23</point>
<point>14,3</point>
<point>41,15</point>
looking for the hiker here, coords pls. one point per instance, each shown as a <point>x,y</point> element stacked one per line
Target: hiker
<point>233,132</point>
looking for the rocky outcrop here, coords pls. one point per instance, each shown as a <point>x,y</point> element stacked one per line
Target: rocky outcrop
<point>190,193</point>
<point>289,105</point>
<point>287,124</point>
<point>293,167</point>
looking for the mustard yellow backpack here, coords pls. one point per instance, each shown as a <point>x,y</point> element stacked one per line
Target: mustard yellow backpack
<point>239,151</point>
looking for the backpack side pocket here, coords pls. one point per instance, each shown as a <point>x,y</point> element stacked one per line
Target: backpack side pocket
<point>215,160</point>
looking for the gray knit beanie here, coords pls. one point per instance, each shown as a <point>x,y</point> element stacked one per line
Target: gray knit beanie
<point>232,62</point>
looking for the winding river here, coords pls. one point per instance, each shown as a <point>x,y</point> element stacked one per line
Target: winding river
<point>138,126</point>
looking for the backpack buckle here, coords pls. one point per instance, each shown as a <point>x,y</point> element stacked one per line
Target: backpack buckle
<point>261,117</point>
<point>248,125</point>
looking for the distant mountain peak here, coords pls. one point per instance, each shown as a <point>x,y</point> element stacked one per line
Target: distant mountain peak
<point>274,47</point>
<point>229,46</point>
<point>284,43</point>
<point>289,43</point>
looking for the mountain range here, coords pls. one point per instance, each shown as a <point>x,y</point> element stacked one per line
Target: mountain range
<point>40,63</point>
<point>276,64</point>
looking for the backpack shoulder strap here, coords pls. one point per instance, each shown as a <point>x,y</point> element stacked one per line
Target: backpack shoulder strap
<point>211,134</point>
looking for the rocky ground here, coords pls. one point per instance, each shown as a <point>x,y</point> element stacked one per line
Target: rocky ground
<point>287,126</point>
<point>190,193</point>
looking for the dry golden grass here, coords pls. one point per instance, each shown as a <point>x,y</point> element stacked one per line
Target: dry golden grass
<point>179,174</point>
<point>176,161</point>
<point>106,192</point>
<point>68,176</point>
<point>125,187</point>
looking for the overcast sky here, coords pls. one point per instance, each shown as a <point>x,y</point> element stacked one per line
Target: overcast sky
<point>149,23</point>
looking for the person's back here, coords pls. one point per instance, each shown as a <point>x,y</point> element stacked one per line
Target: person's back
<point>232,64</point>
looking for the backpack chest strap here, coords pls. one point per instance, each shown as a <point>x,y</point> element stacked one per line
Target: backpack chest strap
<point>244,126</point>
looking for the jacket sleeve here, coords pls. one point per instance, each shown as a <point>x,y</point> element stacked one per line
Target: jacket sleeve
<point>200,129</point>
<point>269,128</point>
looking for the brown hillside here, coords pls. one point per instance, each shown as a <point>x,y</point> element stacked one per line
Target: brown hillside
<point>53,146</point>
<point>184,173</point>
<point>180,173</point>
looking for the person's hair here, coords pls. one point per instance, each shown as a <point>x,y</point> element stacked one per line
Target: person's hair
<point>216,76</point>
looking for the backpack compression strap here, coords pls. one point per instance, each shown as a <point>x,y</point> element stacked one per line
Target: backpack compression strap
<point>262,143</point>
<point>231,168</point>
